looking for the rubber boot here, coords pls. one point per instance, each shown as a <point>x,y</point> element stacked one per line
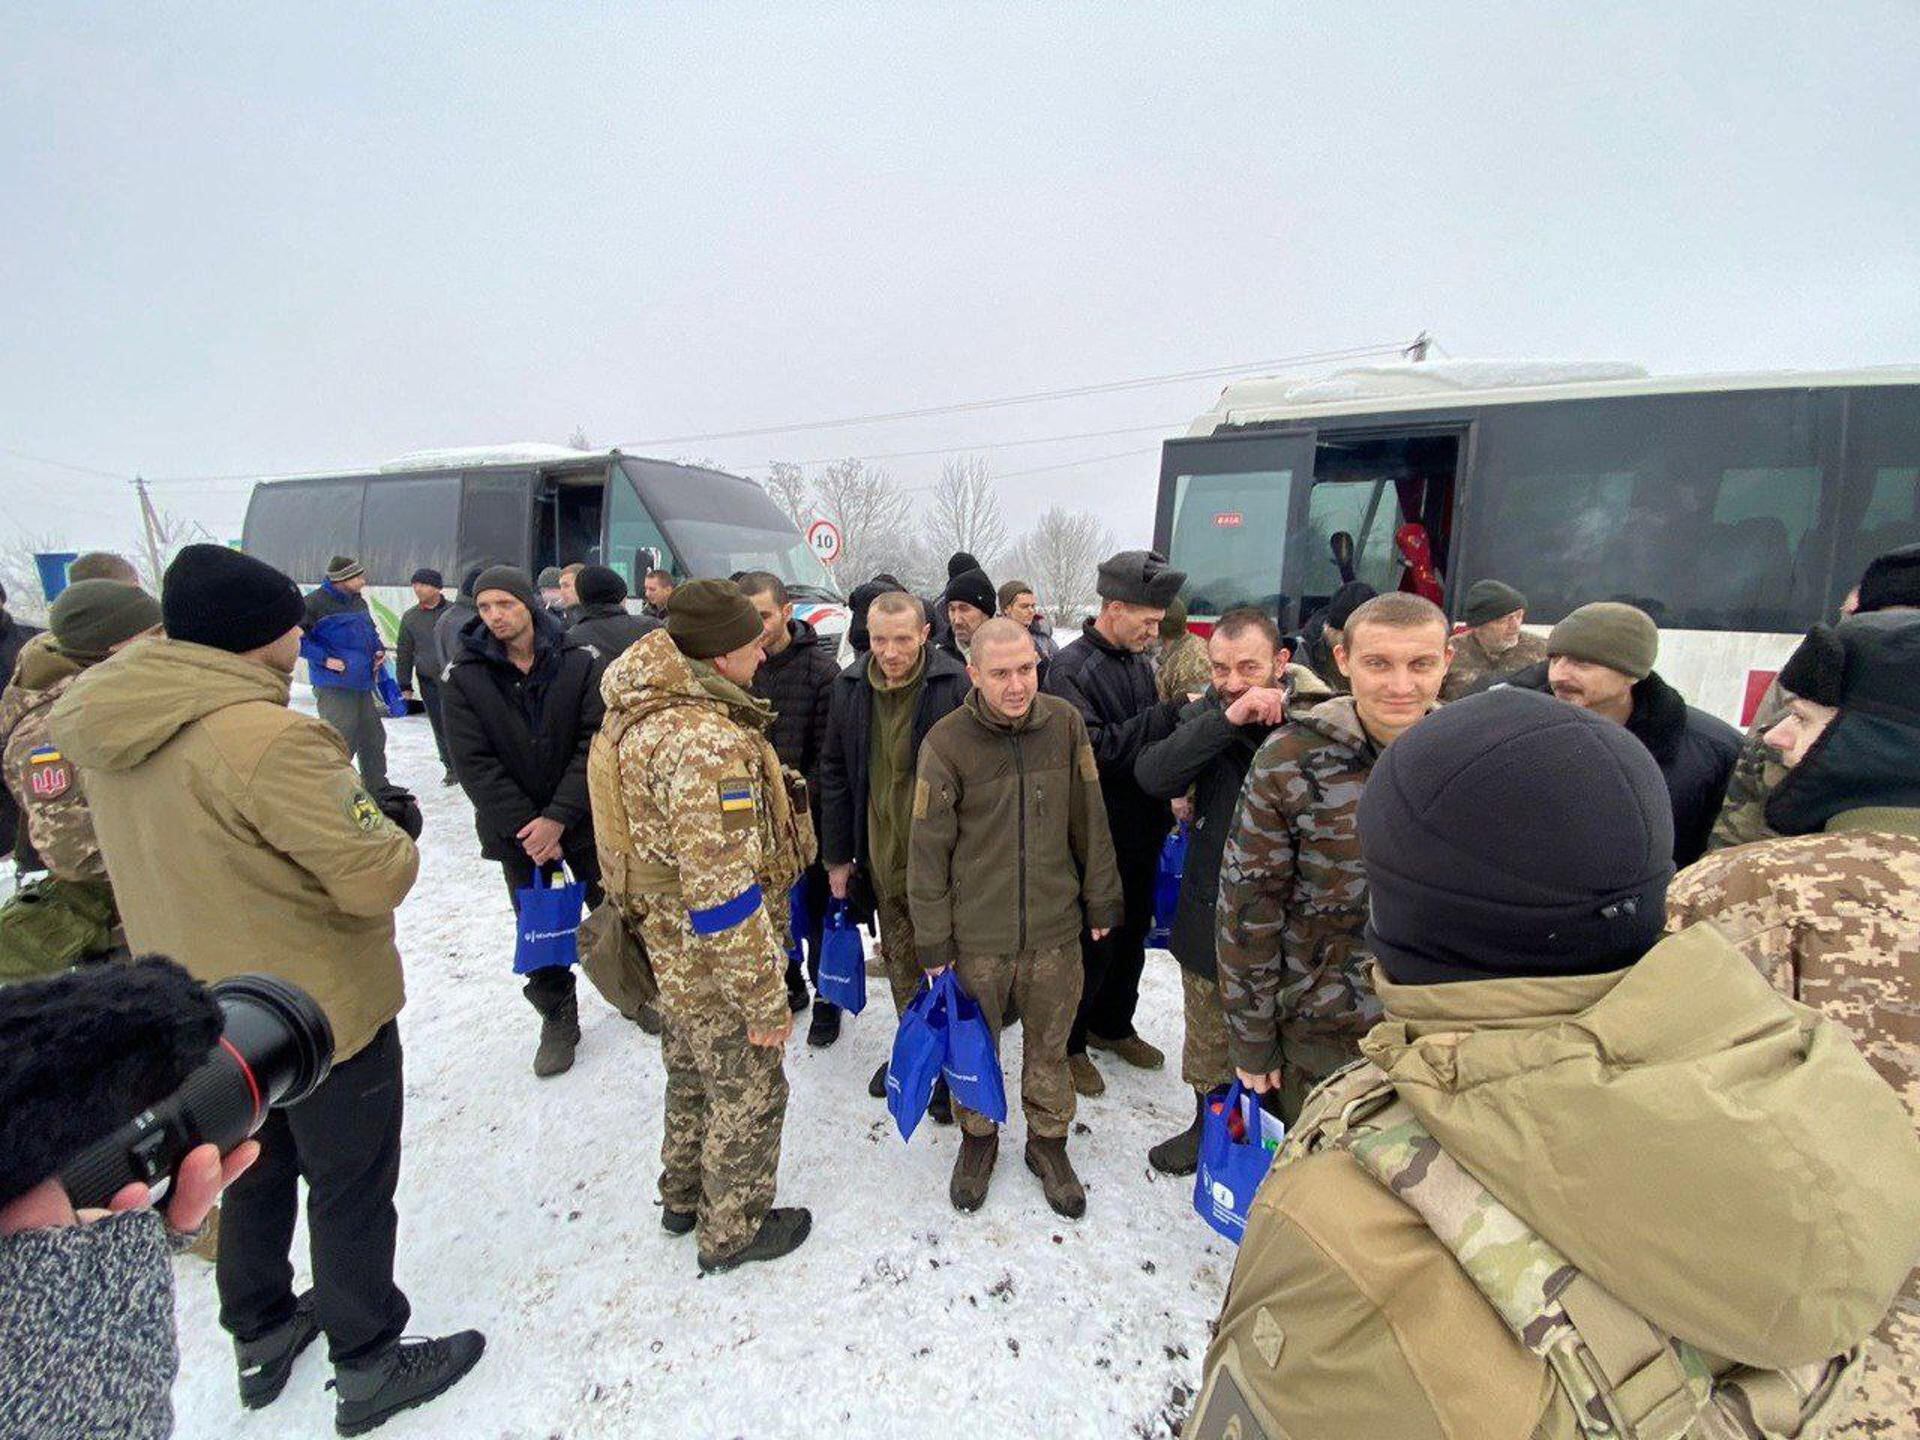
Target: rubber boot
<point>1048,1159</point>
<point>973,1171</point>
<point>1180,1154</point>
<point>371,1392</point>
<point>267,1361</point>
<point>559,1036</point>
<point>781,1233</point>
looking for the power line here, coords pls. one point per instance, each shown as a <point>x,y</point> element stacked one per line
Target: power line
<point>67,465</point>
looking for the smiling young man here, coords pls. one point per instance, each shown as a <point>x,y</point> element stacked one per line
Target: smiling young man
<point>1291,960</point>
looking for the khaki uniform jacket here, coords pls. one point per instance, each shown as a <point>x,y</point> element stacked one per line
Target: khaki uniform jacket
<point>237,833</point>
<point>1009,851</point>
<point>1666,1126</point>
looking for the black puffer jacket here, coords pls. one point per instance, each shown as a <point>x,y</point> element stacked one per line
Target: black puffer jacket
<point>845,762</point>
<point>798,683</point>
<point>519,742</point>
<point>610,628</point>
<point>1211,758</point>
<point>1695,752</point>
<point>1114,691</point>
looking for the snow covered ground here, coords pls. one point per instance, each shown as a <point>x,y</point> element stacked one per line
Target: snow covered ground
<point>528,1209</point>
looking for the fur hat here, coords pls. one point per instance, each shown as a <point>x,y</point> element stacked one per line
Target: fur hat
<point>1139,577</point>
<point>1892,579</point>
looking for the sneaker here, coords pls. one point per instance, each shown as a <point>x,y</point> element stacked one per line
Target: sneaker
<point>973,1171</point>
<point>877,1086</point>
<point>825,1028</point>
<point>781,1233</point>
<point>265,1363</point>
<point>677,1222</point>
<point>1135,1051</point>
<point>940,1103</point>
<point>371,1392</point>
<point>1180,1154</point>
<point>559,1037</point>
<point>1048,1159</point>
<point>1086,1079</point>
<point>647,1017</point>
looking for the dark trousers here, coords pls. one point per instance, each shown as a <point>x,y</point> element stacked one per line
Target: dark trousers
<point>344,1141</point>
<point>547,990</point>
<point>1113,966</point>
<point>813,885</point>
<point>430,698</point>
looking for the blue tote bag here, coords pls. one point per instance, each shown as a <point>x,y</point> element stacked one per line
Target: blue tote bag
<point>1238,1140</point>
<point>843,961</point>
<point>919,1050</point>
<point>1166,886</point>
<point>972,1066</point>
<point>549,933</point>
<point>388,689</point>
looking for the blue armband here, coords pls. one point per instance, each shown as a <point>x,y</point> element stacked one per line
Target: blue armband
<point>728,913</point>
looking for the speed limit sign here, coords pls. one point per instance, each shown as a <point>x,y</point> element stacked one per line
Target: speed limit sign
<point>823,538</point>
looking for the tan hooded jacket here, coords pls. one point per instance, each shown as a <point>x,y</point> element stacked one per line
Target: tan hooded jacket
<point>1719,1158</point>
<point>237,834</point>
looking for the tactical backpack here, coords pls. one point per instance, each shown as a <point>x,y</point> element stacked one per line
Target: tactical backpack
<point>1624,1378</point>
<point>48,924</point>
<point>611,950</point>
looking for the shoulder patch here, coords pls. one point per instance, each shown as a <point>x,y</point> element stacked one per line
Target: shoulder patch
<point>49,773</point>
<point>736,803</point>
<point>363,812</point>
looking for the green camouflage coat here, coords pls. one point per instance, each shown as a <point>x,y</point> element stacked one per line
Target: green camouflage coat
<point>1182,669</point>
<point>1474,667</point>
<point>1293,901</point>
<point>1743,814</point>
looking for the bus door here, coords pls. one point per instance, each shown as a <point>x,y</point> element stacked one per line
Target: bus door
<point>1367,488</point>
<point>1227,507</point>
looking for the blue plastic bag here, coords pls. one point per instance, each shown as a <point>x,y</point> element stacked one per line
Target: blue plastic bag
<point>1166,886</point>
<point>972,1066</point>
<point>799,922</point>
<point>1232,1165</point>
<point>919,1050</point>
<point>388,689</point>
<point>549,922</point>
<point>843,961</point>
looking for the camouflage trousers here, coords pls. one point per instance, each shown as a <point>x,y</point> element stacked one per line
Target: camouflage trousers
<point>1308,1055</point>
<point>1205,1062</point>
<point>1886,1392</point>
<point>896,950</point>
<point>726,1102</point>
<point>1046,986</point>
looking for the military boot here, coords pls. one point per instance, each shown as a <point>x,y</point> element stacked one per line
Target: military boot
<point>973,1170</point>
<point>267,1360</point>
<point>781,1233</point>
<point>825,1028</point>
<point>1048,1159</point>
<point>1180,1154</point>
<point>1086,1076</point>
<point>371,1392</point>
<point>1135,1051</point>
<point>559,1036</point>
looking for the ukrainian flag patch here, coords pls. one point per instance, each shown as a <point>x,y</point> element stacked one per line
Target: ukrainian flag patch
<point>44,755</point>
<point>736,803</point>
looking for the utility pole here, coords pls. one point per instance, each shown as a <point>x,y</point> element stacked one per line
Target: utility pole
<point>1417,351</point>
<point>150,524</point>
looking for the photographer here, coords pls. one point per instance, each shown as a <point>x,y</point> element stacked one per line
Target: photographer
<point>87,1329</point>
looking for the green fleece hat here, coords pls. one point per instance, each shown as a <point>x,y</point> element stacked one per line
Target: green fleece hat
<point>1620,637</point>
<point>706,618</point>
<point>1490,600</point>
<point>90,617</point>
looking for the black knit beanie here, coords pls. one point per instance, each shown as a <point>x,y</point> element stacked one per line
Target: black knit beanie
<point>960,562</point>
<point>973,588</point>
<point>1891,579</point>
<point>1508,834</point>
<point>1347,599</point>
<point>468,580</point>
<point>707,618</point>
<point>212,595</point>
<point>84,1052</point>
<point>510,578</point>
<point>1490,600</point>
<point>427,575</point>
<point>599,585</point>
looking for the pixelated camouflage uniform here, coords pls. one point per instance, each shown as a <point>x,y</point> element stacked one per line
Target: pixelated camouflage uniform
<point>1292,964</point>
<point>1473,665</point>
<point>710,847</point>
<point>1756,774</point>
<point>45,784</point>
<point>1834,921</point>
<point>1183,668</point>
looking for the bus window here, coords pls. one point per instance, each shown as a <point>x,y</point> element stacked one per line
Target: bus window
<point>719,524</point>
<point>567,521</point>
<point>297,526</point>
<point>496,518</point>
<point>630,529</point>
<point>410,522</point>
<point>1367,510</point>
<point>1227,532</point>
<point>1882,510</point>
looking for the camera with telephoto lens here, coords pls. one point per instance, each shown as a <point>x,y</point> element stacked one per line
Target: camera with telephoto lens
<point>276,1048</point>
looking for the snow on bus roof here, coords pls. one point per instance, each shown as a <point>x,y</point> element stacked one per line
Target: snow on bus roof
<point>1432,384</point>
<point>530,452</point>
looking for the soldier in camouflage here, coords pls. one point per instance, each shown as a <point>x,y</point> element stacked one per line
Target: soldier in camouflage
<point>1830,912</point>
<point>1494,644</point>
<point>701,835</point>
<point>1181,669</point>
<point>1291,961</point>
<point>90,620</point>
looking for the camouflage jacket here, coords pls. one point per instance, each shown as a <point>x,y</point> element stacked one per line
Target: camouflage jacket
<point>1834,921</point>
<point>44,782</point>
<point>1743,814</point>
<point>1293,892</point>
<point>697,831</point>
<point>1183,669</point>
<point>1473,666</point>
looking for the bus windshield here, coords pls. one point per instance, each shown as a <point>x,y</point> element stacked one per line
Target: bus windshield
<point>719,524</point>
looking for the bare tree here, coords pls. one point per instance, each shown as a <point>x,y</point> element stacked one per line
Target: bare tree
<point>171,535</point>
<point>1059,557</point>
<point>962,512</point>
<point>20,576</point>
<point>578,439</point>
<point>872,515</point>
<point>787,484</point>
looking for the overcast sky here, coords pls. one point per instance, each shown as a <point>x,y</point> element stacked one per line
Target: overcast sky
<point>271,238</point>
